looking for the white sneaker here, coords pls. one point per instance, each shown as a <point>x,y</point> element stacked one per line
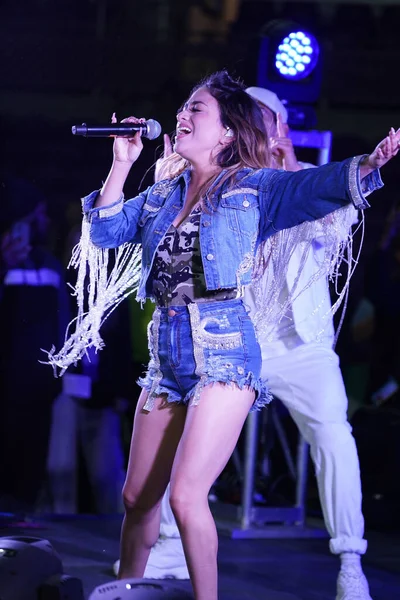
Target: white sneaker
<point>352,585</point>
<point>166,560</point>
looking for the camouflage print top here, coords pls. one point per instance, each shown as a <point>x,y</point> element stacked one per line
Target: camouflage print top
<point>177,275</point>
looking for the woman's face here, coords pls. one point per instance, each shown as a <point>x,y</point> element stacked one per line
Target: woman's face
<point>199,131</point>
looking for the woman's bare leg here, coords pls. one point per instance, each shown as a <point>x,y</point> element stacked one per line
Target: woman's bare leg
<point>211,431</point>
<point>155,437</point>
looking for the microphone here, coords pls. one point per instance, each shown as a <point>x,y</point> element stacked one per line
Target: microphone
<point>150,129</point>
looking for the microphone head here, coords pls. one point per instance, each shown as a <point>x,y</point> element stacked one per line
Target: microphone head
<point>153,129</point>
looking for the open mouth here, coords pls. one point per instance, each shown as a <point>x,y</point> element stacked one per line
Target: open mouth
<point>182,131</point>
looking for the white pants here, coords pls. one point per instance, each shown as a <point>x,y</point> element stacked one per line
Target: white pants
<point>97,432</point>
<point>308,381</point>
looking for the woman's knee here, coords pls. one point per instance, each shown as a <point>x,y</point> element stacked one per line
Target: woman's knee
<point>185,499</point>
<point>139,502</point>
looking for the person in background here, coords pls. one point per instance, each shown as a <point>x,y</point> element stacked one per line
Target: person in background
<point>87,418</point>
<point>303,371</point>
<point>33,315</point>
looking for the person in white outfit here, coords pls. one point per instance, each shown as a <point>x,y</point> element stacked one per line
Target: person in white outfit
<point>303,371</point>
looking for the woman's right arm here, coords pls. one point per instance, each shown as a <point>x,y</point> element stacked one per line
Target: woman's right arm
<point>114,222</point>
<point>113,188</point>
<point>126,152</point>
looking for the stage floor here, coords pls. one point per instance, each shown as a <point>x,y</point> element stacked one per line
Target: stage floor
<point>282,569</point>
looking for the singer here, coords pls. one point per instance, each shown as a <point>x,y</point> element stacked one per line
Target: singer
<point>200,232</point>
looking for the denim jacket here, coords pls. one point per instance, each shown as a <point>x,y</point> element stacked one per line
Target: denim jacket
<point>236,219</point>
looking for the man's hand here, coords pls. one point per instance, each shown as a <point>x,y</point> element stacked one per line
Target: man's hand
<point>168,150</point>
<point>282,149</point>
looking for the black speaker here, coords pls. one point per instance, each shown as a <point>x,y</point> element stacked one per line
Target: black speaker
<point>139,589</point>
<point>61,587</point>
<point>30,569</point>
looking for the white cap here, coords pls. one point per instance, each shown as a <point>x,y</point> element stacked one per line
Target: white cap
<point>269,99</point>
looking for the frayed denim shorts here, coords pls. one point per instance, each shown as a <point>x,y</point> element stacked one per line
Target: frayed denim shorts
<point>200,344</point>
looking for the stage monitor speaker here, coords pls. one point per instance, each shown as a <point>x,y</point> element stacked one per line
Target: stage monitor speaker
<point>139,589</point>
<point>25,564</point>
<point>61,587</point>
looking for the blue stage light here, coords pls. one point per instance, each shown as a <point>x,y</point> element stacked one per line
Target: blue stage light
<point>298,49</point>
<point>290,62</point>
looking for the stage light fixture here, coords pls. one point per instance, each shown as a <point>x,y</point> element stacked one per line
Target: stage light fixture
<point>139,589</point>
<point>297,55</point>
<point>289,62</point>
<point>30,569</point>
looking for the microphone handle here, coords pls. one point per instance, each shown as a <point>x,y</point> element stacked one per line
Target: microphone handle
<point>120,129</point>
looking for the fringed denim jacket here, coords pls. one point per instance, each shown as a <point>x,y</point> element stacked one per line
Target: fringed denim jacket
<point>236,219</point>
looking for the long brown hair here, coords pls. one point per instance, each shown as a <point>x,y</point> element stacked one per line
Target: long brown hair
<point>240,112</point>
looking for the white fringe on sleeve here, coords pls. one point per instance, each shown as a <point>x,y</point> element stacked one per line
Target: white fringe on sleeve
<point>98,293</point>
<point>272,262</point>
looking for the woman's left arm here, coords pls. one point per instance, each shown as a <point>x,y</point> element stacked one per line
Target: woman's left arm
<point>385,150</point>
<point>288,199</point>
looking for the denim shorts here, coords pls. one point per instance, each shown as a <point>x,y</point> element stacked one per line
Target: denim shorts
<point>200,344</point>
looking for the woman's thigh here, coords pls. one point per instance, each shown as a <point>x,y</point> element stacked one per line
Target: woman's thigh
<point>211,432</point>
<point>155,438</point>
